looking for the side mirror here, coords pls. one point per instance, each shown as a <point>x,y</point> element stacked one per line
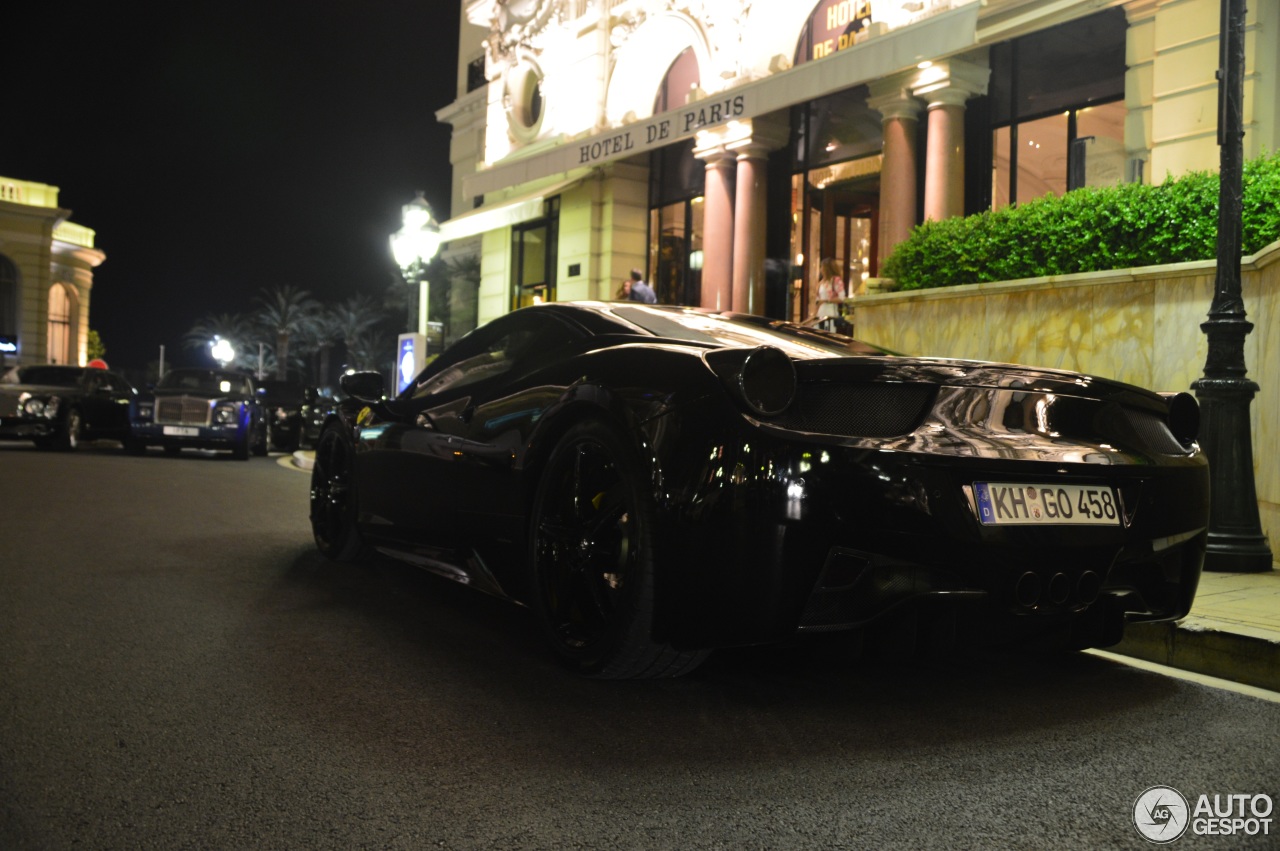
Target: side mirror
<point>365,386</point>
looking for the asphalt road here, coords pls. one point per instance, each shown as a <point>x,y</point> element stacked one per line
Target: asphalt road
<point>180,669</point>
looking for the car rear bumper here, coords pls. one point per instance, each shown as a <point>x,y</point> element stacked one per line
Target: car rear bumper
<point>770,537</point>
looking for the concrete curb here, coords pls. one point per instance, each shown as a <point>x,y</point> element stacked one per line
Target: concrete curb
<point>1205,646</point>
<point>304,459</point>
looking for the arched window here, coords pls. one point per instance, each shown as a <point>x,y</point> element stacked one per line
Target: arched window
<point>61,325</point>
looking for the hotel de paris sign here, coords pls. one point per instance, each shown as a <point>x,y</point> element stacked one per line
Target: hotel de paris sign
<point>937,36</point>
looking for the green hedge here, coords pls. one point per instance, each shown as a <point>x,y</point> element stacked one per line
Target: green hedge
<point>1090,229</point>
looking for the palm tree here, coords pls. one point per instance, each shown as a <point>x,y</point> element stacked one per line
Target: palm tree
<point>350,323</point>
<point>286,310</point>
<point>232,327</point>
<point>350,319</point>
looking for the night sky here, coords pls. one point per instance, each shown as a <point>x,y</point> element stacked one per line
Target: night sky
<point>220,148</point>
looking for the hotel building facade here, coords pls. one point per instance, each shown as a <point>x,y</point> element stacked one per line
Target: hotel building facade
<point>46,277</point>
<point>725,147</point>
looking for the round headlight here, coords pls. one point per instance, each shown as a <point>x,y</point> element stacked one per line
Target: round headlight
<point>225,415</point>
<point>37,407</point>
<point>767,381</point>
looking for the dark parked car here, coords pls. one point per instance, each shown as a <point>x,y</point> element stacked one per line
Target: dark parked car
<point>203,409</point>
<point>655,482</point>
<point>59,406</point>
<point>295,413</point>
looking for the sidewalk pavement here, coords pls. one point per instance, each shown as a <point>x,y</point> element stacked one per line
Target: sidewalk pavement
<point>1232,633</point>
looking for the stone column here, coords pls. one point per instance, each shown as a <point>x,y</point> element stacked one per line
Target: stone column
<point>750,200</point>
<point>717,240</point>
<point>945,86</point>
<point>944,157</point>
<point>900,113</point>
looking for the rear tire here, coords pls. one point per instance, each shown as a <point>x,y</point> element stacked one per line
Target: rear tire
<point>592,560</point>
<point>333,498</point>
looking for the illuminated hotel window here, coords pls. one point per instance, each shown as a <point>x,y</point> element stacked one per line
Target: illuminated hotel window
<point>533,258</point>
<point>60,325</point>
<point>1057,110</point>
<point>475,74</point>
<point>8,298</point>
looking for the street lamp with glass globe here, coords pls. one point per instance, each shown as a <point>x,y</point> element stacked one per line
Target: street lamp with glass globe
<point>413,247</point>
<point>222,350</point>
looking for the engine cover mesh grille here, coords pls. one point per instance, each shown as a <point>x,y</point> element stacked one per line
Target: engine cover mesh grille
<point>1154,433</point>
<point>859,410</point>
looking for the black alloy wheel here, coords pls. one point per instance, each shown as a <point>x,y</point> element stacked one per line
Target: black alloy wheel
<point>592,559</point>
<point>333,503</point>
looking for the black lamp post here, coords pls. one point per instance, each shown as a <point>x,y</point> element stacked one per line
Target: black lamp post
<point>1236,542</point>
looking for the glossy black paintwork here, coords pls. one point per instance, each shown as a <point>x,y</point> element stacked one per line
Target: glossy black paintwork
<point>756,519</point>
<point>103,400</point>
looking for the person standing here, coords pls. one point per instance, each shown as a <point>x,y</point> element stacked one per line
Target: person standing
<point>830,292</point>
<point>640,291</point>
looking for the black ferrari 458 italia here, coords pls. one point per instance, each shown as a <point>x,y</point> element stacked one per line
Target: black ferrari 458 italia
<point>656,482</point>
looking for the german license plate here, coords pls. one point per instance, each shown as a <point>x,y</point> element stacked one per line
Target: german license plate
<point>181,431</point>
<point>1007,504</point>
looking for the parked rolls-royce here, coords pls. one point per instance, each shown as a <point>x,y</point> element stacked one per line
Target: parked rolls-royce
<point>202,408</point>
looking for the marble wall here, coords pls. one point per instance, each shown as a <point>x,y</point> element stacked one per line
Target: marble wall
<point>1137,325</point>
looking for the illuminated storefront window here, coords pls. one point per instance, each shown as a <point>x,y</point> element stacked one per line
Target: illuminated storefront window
<point>676,181</point>
<point>1057,110</point>
<point>835,194</point>
<point>675,252</point>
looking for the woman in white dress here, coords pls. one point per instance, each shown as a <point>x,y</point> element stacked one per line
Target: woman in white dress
<point>830,291</point>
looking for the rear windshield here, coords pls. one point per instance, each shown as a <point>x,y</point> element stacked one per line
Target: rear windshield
<point>206,381</point>
<point>49,376</point>
<point>282,392</point>
<point>736,329</point>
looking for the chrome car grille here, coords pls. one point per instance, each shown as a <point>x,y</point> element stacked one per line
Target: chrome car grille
<point>184,410</point>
